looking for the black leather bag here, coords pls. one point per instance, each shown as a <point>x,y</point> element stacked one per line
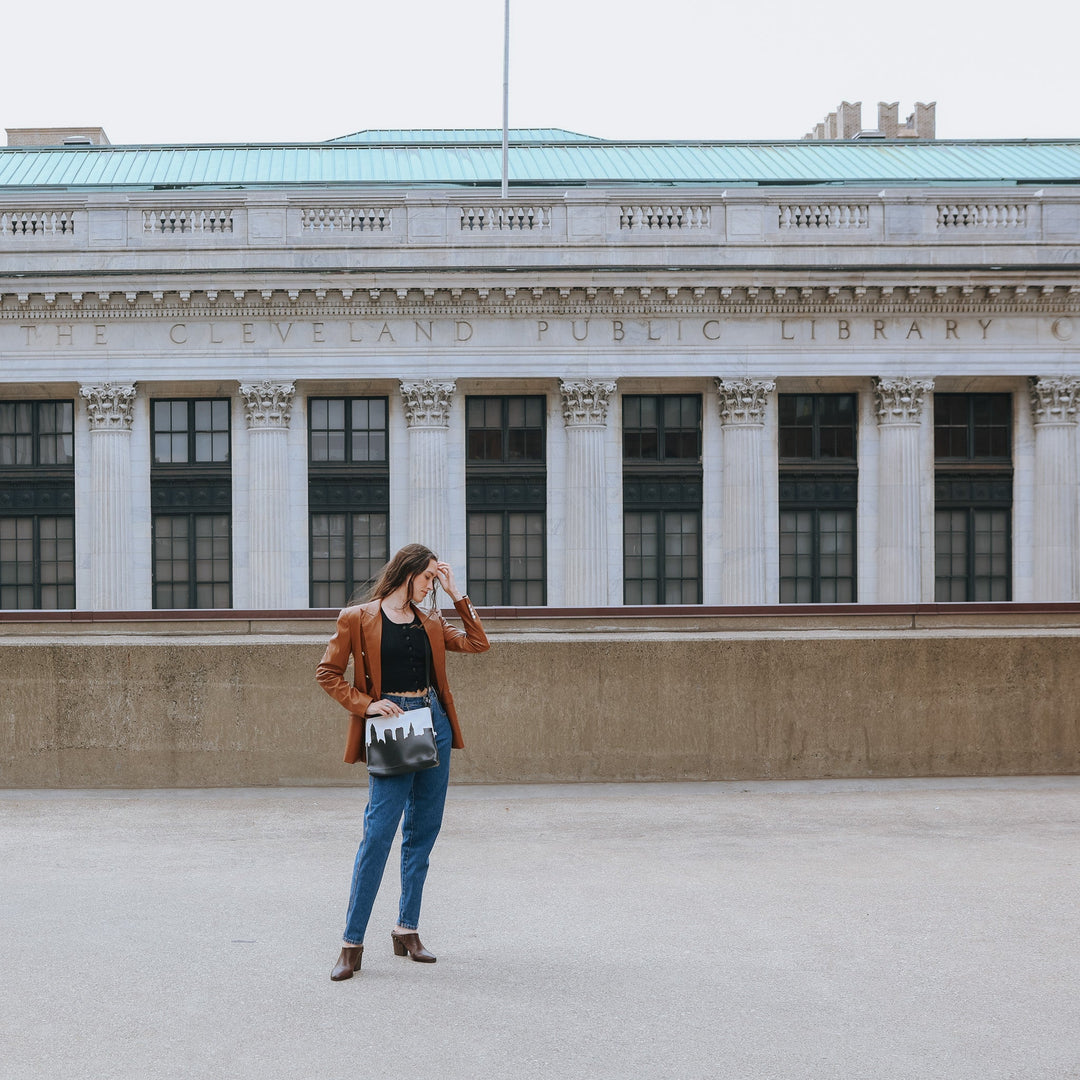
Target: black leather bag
<point>401,744</point>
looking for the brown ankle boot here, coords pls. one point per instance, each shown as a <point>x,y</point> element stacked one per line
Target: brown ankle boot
<point>409,945</point>
<point>348,962</point>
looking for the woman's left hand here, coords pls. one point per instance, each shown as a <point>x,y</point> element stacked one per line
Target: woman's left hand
<point>446,580</point>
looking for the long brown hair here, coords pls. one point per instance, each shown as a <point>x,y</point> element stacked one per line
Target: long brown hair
<point>411,560</point>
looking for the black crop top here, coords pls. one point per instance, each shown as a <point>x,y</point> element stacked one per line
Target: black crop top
<point>406,656</point>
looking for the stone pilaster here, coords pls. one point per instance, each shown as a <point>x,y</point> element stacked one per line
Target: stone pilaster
<point>743,565</point>
<point>267,409</point>
<point>110,409</point>
<point>585,407</point>
<point>900,403</point>
<point>427,412</point>
<point>1054,530</point>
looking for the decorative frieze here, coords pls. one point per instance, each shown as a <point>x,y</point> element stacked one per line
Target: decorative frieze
<point>346,219</point>
<point>175,221</point>
<point>824,216</point>
<point>665,217</point>
<point>1054,399</point>
<point>110,405</point>
<point>743,401</point>
<point>900,400</point>
<point>982,215</point>
<point>427,403</point>
<point>37,223</point>
<point>585,402</point>
<point>267,404</point>
<point>505,218</point>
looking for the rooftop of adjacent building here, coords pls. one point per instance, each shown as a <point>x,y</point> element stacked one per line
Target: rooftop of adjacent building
<point>837,151</point>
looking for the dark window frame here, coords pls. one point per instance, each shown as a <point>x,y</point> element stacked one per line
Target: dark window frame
<point>506,483</point>
<point>819,492</point>
<point>37,584</point>
<point>978,481</point>
<point>973,493</point>
<point>347,487</point>
<point>663,432</point>
<point>819,403</point>
<point>973,429</point>
<point>348,430</point>
<point>194,490</point>
<point>192,431</point>
<point>36,435</point>
<point>505,459</point>
<point>193,581</point>
<point>660,485</point>
<point>661,580</point>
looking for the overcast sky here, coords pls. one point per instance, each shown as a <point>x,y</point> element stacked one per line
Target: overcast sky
<point>269,71</point>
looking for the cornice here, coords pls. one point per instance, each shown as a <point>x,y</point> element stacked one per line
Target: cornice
<point>567,301</point>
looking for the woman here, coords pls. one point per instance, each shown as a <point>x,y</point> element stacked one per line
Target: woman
<point>399,664</point>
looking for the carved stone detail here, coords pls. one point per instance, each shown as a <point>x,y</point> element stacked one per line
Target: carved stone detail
<point>1054,399</point>
<point>111,405</point>
<point>901,400</point>
<point>585,402</point>
<point>267,404</point>
<point>743,401</point>
<point>427,403</point>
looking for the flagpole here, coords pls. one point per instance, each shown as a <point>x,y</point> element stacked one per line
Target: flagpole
<point>506,101</point>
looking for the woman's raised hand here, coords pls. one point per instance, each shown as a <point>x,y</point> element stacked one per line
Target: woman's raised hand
<point>446,580</point>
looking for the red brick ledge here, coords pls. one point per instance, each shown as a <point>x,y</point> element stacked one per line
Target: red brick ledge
<point>541,613</point>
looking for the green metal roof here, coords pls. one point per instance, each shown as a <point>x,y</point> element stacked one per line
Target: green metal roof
<point>461,135</point>
<point>400,162</point>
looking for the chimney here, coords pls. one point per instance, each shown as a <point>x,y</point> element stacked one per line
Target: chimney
<point>846,123</point>
<point>888,122</point>
<point>849,119</point>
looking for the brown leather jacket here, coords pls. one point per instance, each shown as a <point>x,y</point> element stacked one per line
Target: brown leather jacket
<point>359,634</point>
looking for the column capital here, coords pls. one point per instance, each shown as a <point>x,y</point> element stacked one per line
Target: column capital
<point>427,403</point>
<point>267,404</point>
<point>743,401</point>
<point>900,400</point>
<point>585,402</point>
<point>110,405</point>
<point>1054,399</point>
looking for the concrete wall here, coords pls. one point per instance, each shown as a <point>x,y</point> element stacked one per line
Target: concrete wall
<point>894,692</point>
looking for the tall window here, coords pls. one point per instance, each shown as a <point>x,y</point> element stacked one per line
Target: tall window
<point>348,496</point>
<point>661,498</point>
<point>818,493</point>
<point>37,504</point>
<point>506,499</point>
<point>972,497</point>
<point>191,497</point>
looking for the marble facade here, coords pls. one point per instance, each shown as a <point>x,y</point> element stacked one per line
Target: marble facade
<point>269,297</point>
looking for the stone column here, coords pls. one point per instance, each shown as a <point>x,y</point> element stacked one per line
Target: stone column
<point>427,412</point>
<point>110,406</point>
<point>900,488</point>
<point>267,408</point>
<point>743,563</point>
<point>585,405</point>
<point>1054,529</point>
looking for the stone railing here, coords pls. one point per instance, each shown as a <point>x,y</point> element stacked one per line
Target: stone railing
<point>824,216</point>
<point>37,222</point>
<point>194,220</point>
<point>664,217</point>
<point>346,219</point>
<point>982,215</point>
<point>68,228</point>
<point>505,218</point>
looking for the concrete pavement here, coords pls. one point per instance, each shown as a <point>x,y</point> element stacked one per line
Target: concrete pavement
<point>787,930</point>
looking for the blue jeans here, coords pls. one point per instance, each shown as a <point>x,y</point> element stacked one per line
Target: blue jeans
<point>420,796</point>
